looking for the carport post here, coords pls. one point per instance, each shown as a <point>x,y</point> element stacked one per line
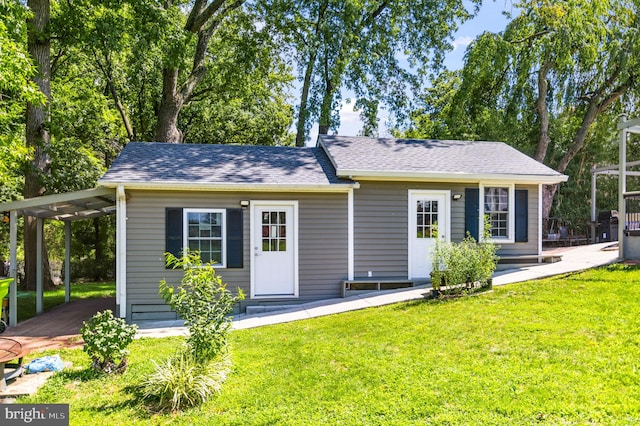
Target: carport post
<point>39,291</point>
<point>13,268</point>
<point>67,261</point>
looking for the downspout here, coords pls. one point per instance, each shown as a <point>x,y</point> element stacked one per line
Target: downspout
<point>121,251</point>
<point>350,244</point>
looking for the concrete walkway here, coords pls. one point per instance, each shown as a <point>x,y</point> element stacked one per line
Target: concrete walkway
<point>573,259</point>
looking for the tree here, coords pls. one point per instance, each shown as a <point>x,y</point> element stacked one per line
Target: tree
<point>354,44</point>
<point>16,88</point>
<point>240,91</point>
<point>37,134</point>
<point>544,82</point>
<point>179,81</point>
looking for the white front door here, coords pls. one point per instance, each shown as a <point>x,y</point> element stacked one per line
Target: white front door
<point>429,214</point>
<point>274,269</point>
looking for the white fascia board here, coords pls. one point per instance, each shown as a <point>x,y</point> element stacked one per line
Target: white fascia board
<point>231,187</point>
<point>449,177</point>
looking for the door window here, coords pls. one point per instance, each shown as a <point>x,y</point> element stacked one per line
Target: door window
<point>427,218</point>
<point>274,231</point>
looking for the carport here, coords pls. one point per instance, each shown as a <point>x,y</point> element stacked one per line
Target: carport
<point>67,207</point>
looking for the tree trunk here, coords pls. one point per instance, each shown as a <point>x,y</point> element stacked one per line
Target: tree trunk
<point>37,135</point>
<point>327,101</point>
<point>170,105</point>
<point>543,112</point>
<point>304,97</point>
<point>548,192</point>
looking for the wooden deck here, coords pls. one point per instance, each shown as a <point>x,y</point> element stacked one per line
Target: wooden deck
<point>59,327</point>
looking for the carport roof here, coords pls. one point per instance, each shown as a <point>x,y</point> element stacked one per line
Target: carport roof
<point>70,206</point>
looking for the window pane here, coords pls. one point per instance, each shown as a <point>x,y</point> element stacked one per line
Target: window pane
<point>282,218</point>
<point>265,245</point>
<point>204,235</point>
<point>265,231</point>
<point>420,207</point>
<point>283,245</point>
<point>274,217</point>
<point>434,206</point>
<point>265,217</point>
<point>274,245</point>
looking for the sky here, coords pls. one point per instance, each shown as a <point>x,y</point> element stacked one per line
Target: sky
<point>489,18</point>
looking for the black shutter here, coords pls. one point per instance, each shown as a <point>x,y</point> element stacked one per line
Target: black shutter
<point>471,211</point>
<point>173,231</point>
<point>235,240</point>
<point>522,216</point>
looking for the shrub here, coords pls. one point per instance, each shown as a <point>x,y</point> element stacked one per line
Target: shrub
<point>181,382</point>
<point>203,302</point>
<point>466,262</point>
<point>105,340</point>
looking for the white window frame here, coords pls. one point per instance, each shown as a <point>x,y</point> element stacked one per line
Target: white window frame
<point>185,232</point>
<point>511,223</point>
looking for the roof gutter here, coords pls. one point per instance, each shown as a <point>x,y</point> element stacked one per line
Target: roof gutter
<point>449,177</point>
<point>230,187</point>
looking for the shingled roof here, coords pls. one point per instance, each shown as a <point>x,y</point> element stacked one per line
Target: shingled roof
<point>361,157</point>
<point>154,164</point>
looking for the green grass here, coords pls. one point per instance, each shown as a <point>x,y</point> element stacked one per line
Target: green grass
<point>556,351</point>
<point>55,297</point>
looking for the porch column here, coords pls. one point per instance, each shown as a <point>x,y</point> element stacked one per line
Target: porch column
<point>67,261</point>
<point>594,177</point>
<point>622,187</point>
<point>540,190</point>
<point>39,291</point>
<point>13,268</point>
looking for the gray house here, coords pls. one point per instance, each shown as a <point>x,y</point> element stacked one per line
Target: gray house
<point>292,225</point>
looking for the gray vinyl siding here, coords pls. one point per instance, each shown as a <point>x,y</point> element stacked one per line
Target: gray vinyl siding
<point>322,244</point>
<point>381,225</point>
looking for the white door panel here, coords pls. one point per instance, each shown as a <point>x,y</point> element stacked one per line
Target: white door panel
<point>429,214</point>
<point>274,250</point>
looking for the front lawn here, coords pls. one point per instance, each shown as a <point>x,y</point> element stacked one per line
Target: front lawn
<point>556,351</point>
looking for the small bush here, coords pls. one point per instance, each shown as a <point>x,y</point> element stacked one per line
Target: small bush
<point>204,303</point>
<point>466,262</point>
<point>182,382</point>
<point>105,340</point>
